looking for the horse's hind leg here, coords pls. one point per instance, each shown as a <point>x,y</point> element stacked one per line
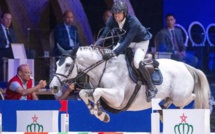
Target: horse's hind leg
<point>166,104</point>
<point>86,95</point>
<point>193,97</point>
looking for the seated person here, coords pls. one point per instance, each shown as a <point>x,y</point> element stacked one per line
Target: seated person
<point>20,87</point>
<point>7,36</point>
<point>66,34</point>
<point>68,92</point>
<point>171,39</point>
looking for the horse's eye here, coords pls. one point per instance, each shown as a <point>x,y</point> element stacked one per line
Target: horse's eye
<point>67,65</point>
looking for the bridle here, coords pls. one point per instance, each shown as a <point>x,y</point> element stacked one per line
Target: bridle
<point>85,71</point>
<point>57,75</point>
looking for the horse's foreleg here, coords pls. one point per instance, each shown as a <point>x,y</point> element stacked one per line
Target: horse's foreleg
<point>99,113</point>
<point>86,95</point>
<point>112,96</point>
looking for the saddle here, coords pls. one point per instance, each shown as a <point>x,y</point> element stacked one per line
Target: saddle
<point>152,67</point>
<point>150,64</point>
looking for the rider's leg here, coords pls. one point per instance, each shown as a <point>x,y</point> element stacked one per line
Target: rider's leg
<point>140,51</point>
<point>151,90</point>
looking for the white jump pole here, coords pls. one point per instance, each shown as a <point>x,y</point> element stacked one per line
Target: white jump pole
<point>65,122</point>
<point>155,123</point>
<point>155,117</point>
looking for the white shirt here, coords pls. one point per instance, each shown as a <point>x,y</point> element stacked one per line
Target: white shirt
<point>5,34</point>
<point>121,24</point>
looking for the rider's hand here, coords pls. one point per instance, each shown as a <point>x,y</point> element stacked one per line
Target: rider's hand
<point>108,55</point>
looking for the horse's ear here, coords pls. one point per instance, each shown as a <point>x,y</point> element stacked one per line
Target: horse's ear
<point>74,51</point>
<point>60,49</point>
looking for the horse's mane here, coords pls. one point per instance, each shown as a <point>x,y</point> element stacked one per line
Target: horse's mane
<point>92,51</point>
<point>93,48</point>
<point>92,54</point>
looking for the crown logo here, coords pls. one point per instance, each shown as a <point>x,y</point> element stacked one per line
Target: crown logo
<point>183,127</point>
<point>34,127</point>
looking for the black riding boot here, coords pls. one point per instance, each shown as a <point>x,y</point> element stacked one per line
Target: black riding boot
<point>151,90</point>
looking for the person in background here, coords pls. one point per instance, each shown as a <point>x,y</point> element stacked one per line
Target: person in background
<point>106,15</point>
<point>136,37</point>
<point>7,37</point>
<point>66,34</point>
<point>20,87</point>
<point>171,39</point>
<point>68,92</point>
<point>108,42</point>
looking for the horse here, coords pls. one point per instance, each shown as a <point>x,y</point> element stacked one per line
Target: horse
<point>110,82</point>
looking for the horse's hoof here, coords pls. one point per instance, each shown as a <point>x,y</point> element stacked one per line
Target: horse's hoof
<point>107,118</point>
<point>92,111</point>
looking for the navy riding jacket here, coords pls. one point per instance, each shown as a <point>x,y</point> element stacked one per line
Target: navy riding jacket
<point>135,32</point>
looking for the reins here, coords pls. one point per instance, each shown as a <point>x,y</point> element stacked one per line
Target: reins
<point>109,37</point>
<point>85,71</point>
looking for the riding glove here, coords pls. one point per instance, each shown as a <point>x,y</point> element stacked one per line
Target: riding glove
<point>108,55</point>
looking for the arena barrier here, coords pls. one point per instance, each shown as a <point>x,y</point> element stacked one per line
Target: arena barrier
<point>180,121</point>
<point>30,119</point>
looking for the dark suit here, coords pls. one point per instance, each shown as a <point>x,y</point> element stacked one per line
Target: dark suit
<point>62,38</point>
<point>164,43</point>
<point>5,52</point>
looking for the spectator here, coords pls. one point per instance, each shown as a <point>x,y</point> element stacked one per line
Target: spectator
<point>68,91</point>
<point>171,39</point>
<point>66,34</point>
<point>106,15</point>
<point>7,37</point>
<point>65,92</point>
<point>136,37</point>
<point>20,87</point>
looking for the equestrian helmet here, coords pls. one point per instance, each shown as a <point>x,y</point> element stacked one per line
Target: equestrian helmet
<point>119,6</point>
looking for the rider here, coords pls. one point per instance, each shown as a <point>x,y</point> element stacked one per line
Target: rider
<point>136,37</point>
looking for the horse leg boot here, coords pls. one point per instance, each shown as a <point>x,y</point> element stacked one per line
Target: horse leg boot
<point>151,90</point>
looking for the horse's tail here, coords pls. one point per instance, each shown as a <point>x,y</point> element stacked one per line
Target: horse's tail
<point>201,88</point>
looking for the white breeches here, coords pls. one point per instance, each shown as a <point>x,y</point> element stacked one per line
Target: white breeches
<point>139,49</point>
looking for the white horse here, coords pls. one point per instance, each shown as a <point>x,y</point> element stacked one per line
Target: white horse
<point>111,82</point>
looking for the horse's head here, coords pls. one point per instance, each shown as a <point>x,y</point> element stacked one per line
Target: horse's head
<point>66,69</point>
